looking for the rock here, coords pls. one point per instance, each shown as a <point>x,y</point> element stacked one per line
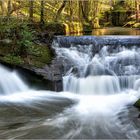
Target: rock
<point>137,104</point>
<point>53,73</point>
<point>6,41</point>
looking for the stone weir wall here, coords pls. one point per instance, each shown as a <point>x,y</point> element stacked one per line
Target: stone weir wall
<point>96,43</point>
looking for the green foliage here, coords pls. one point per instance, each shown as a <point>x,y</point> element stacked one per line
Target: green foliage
<point>25,39</point>
<point>107,24</point>
<point>9,27</point>
<point>19,32</point>
<point>131,23</point>
<point>34,50</point>
<point>136,25</point>
<point>17,46</point>
<point>7,24</point>
<point>120,6</point>
<point>13,59</point>
<point>40,55</point>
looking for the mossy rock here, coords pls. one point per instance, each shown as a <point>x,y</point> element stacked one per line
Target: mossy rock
<point>56,28</point>
<point>137,104</point>
<point>39,55</point>
<point>136,25</point>
<point>13,59</point>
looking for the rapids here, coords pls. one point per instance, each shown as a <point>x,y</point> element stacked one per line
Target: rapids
<point>99,90</point>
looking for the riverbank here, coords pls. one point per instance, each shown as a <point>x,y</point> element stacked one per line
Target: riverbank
<point>28,47</point>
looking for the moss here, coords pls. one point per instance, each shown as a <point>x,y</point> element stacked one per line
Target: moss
<point>39,55</point>
<point>137,104</point>
<point>13,59</point>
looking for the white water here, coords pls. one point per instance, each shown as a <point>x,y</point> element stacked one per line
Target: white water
<point>101,96</point>
<point>10,82</point>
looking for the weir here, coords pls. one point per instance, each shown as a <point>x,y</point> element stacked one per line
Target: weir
<point>101,82</point>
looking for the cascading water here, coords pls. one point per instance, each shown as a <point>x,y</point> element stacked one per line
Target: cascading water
<point>101,83</point>
<point>10,82</point>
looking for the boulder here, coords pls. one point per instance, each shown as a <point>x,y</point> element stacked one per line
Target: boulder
<point>137,103</point>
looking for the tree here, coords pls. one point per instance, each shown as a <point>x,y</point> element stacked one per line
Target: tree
<point>42,12</point>
<point>4,4</point>
<point>9,7</point>
<point>137,10</point>
<point>31,11</point>
<point>95,21</point>
<point>83,7</point>
<point>71,10</point>
<point>60,9</point>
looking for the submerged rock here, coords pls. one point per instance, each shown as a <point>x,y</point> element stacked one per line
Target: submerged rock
<point>137,104</point>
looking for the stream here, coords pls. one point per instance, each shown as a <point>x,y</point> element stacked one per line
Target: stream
<point>101,82</point>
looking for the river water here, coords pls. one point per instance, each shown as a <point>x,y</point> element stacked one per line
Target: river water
<point>101,82</point>
<point>107,31</point>
<point>116,31</point>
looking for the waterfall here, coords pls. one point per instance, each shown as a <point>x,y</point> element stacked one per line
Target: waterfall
<point>10,82</point>
<point>110,71</point>
<point>101,82</point>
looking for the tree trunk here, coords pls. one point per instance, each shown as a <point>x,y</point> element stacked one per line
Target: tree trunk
<point>60,10</point>
<point>95,22</point>
<point>42,12</point>
<point>4,4</point>
<point>31,5</point>
<point>71,10</point>
<point>84,10</point>
<point>137,10</point>
<point>9,8</point>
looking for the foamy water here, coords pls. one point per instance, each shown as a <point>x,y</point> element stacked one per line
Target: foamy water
<point>98,97</point>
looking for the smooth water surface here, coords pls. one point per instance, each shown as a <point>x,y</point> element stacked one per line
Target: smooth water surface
<point>107,31</point>
<point>116,31</point>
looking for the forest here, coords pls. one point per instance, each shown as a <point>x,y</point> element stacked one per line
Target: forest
<point>95,13</point>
